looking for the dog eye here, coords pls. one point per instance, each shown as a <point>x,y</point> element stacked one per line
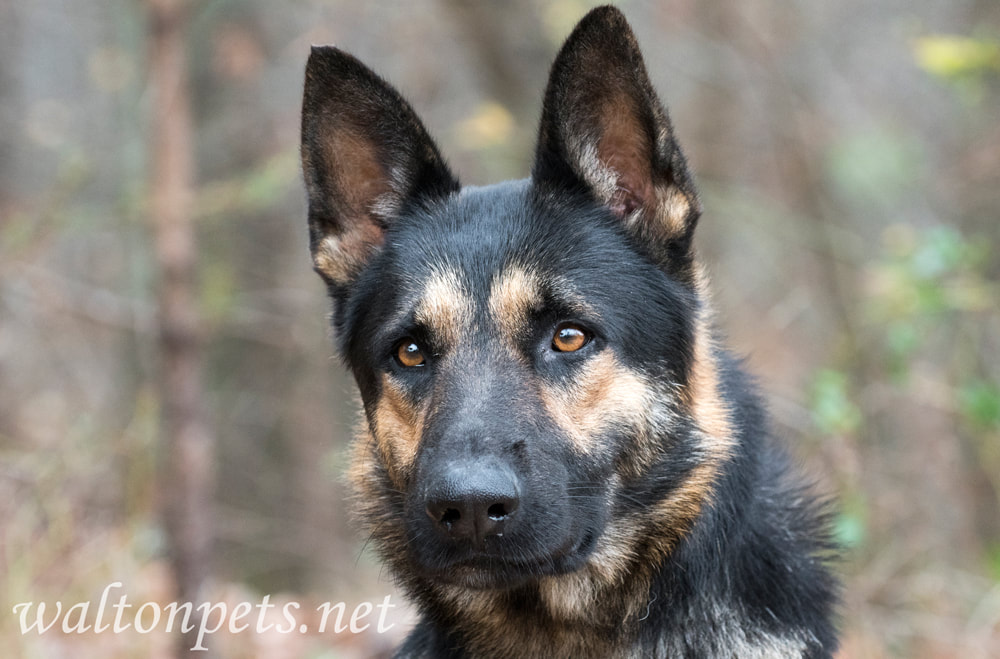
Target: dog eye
<point>410,354</point>
<point>569,337</point>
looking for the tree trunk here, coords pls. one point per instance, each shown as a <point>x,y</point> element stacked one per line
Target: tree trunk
<point>187,443</point>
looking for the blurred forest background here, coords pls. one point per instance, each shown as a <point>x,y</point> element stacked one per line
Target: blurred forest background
<point>849,158</point>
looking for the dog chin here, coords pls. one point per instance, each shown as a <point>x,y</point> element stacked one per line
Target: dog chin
<point>503,576</point>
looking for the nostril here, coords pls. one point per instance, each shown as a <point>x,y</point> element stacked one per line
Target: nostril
<point>502,508</point>
<point>451,515</point>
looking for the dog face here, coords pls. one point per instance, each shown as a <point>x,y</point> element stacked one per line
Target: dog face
<point>532,356</point>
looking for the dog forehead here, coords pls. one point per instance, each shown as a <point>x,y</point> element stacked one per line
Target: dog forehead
<point>483,261</point>
<point>514,293</point>
<point>444,305</point>
<point>456,304</point>
<point>468,255</point>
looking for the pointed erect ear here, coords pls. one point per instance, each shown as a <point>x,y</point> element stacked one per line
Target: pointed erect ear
<point>605,131</point>
<point>366,158</point>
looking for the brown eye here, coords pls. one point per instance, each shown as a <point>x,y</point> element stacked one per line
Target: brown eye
<point>409,354</point>
<point>569,337</point>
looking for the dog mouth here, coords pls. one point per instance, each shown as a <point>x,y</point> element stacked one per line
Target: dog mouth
<point>507,567</point>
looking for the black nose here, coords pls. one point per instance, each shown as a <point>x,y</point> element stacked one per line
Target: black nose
<point>472,501</point>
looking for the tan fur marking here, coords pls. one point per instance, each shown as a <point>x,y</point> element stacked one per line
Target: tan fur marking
<point>360,471</point>
<point>604,394</point>
<point>674,208</point>
<point>703,393</point>
<point>397,429</point>
<point>709,411</point>
<point>368,489</point>
<point>478,604</point>
<point>445,308</point>
<point>341,257</point>
<point>674,516</point>
<point>513,295</point>
<point>575,596</point>
<point>570,596</point>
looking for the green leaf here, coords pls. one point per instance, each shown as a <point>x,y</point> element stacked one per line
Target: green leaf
<point>950,56</point>
<point>850,527</point>
<point>940,252</point>
<point>979,403</point>
<point>849,530</point>
<point>993,562</point>
<point>833,411</point>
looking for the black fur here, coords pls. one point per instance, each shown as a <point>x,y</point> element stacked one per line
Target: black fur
<point>524,524</point>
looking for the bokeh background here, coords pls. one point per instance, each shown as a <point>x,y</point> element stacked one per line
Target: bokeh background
<point>849,159</point>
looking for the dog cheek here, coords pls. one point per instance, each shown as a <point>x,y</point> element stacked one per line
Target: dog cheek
<point>397,425</point>
<point>604,396</point>
<point>376,503</point>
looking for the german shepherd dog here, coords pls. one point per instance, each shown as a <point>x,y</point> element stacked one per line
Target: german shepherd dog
<point>557,458</point>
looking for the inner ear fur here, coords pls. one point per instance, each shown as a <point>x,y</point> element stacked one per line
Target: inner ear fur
<point>365,157</point>
<point>604,129</point>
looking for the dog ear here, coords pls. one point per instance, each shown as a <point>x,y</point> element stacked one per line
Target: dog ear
<point>604,130</point>
<point>366,158</point>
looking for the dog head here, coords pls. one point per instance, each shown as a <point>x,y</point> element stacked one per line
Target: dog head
<point>532,356</point>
